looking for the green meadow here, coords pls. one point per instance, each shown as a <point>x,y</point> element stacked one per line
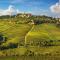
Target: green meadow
<point>44,32</point>
<point>29,38</point>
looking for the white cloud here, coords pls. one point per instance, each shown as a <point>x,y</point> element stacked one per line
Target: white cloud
<point>18,11</point>
<point>55,8</point>
<point>9,11</point>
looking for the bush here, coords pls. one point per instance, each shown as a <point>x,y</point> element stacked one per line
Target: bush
<point>2,39</point>
<point>37,22</point>
<point>47,43</point>
<point>13,45</point>
<point>29,53</point>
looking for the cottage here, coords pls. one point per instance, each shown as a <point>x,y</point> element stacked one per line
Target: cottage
<point>27,15</point>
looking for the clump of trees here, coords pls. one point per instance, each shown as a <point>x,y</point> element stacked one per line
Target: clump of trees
<point>38,22</point>
<point>44,43</point>
<point>10,46</point>
<point>47,43</point>
<point>2,38</point>
<point>13,45</point>
<point>36,19</point>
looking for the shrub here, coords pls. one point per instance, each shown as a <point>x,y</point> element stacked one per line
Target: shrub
<point>29,53</point>
<point>37,22</point>
<point>2,39</point>
<point>13,45</point>
<point>47,43</point>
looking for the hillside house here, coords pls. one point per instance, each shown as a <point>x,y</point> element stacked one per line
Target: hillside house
<point>25,15</point>
<point>58,21</point>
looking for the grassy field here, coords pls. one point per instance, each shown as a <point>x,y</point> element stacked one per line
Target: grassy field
<point>28,33</point>
<point>15,33</point>
<point>44,32</point>
<point>42,57</point>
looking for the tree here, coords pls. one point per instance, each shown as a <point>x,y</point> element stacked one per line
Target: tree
<point>2,38</point>
<point>13,45</point>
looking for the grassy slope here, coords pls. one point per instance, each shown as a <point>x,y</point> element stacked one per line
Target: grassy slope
<point>17,32</point>
<point>14,32</point>
<point>44,32</point>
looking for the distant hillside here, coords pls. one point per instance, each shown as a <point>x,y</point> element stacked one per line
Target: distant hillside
<point>29,35</point>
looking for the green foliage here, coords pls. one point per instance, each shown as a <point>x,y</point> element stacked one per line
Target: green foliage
<point>29,53</point>
<point>3,39</point>
<point>12,45</point>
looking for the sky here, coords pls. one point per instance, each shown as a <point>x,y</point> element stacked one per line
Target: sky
<point>36,7</point>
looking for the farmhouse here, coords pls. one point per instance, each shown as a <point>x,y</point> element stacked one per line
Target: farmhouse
<point>27,15</point>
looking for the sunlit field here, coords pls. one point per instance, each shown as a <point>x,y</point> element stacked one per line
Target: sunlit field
<point>33,38</point>
<point>44,32</point>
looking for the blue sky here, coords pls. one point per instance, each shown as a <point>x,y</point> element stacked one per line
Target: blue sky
<point>37,7</point>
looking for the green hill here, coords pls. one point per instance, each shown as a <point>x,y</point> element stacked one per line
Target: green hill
<point>15,33</point>
<point>44,33</point>
<point>19,37</point>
